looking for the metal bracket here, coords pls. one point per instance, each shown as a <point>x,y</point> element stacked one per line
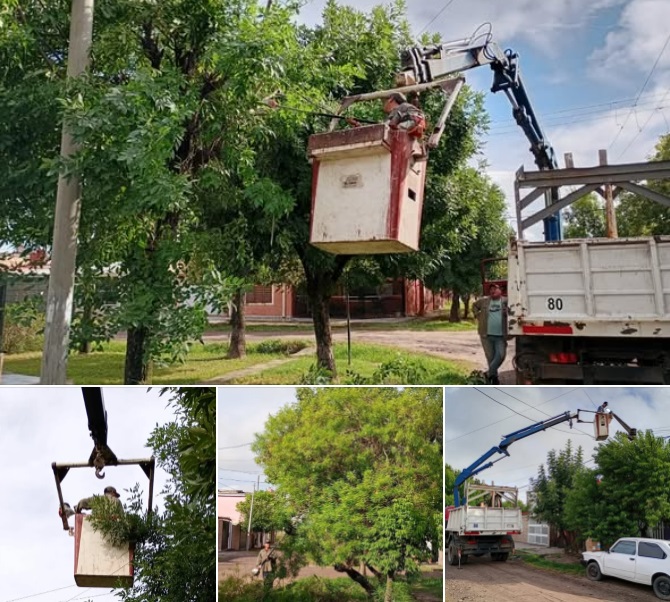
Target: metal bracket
<point>60,471</point>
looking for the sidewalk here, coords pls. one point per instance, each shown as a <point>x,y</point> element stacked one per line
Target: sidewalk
<point>7,378</point>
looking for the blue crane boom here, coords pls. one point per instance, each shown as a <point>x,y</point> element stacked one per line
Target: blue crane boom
<point>481,463</point>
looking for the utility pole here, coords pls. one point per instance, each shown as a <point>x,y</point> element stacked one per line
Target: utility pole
<point>66,221</point>
<point>610,214</point>
<point>251,512</point>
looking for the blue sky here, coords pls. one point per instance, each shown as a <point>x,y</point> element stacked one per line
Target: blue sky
<point>467,410</point>
<point>574,55</point>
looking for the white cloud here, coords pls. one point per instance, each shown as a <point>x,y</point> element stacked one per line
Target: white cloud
<point>630,50</point>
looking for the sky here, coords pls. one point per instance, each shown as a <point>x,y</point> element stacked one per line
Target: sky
<point>597,73</point>
<point>38,426</point>
<point>241,413</point>
<point>474,423</point>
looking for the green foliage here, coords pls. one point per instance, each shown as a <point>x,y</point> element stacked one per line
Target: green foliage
<point>312,589</point>
<point>554,483</point>
<point>284,347</point>
<point>568,568</point>
<point>23,326</point>
<point>122,526</point>
<point>638,216</point>
<point>400,370</point>
<point>618,497</point>
<point>270,512</point>
<point>316,375</point>
<point>360,469</point>
<point>449,480</point>
<point>585,218</point>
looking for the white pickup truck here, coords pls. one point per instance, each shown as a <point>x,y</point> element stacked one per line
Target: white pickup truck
<point>635,559</point>
<point>476,530</point>
<point>590,310</point>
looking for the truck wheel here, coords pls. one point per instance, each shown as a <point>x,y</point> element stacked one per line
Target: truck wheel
<point>593,572</point>
<point>495,556</point>
<point>662,587</point>
<point>452,555</point>
<point>503,556</point>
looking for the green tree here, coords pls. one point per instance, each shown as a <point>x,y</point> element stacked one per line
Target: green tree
<point>552,486</point>
<point>361,470</point>
<point>352,52</point>
<point>585,218</point>
<point>638,216</point>
<point>173,559</point>
<point>449,479</point>
<point>271,512</point>
<point>620,497</point>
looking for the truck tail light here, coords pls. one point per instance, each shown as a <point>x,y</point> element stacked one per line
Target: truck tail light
<point>563,358</point>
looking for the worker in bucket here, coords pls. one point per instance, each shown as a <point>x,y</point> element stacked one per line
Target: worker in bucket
<point>491,315</point>
<point>109,492</point>
<point>265,563</point>
<point>403,115</point>
<point>603,408</point>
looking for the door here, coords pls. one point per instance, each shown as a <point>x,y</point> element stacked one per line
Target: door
<point>620,562</point>
<point>650,560</point>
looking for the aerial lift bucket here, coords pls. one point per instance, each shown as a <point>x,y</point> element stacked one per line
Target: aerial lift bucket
<point>602,426</point>
<point>97,563</point>
<point>368,182</point>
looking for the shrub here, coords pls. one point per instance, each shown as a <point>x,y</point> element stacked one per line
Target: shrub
<point>24,326</point>
<point>278,346</point>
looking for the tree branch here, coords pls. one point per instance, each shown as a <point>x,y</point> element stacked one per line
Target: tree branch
<point>356,576</point>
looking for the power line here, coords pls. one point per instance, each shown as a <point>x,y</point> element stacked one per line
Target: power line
<point>541,411</point>
<point>41,593</point>
<point>523,415</point>
<point>236,446</point>
<point>427,25</point>
<point>646,81</point>
<point>508,418</point>
<point>644,125</point>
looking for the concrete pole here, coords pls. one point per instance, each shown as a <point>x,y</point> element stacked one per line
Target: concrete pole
<point>66,221</point>
<point>610,214</point>
<point>251,513</point>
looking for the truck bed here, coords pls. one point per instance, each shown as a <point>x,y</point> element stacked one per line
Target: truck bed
<point>590,287</point>
<point>483,520</point>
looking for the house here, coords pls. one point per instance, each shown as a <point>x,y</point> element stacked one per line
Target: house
<point>393,299</point>
<point>230,533</point>
<point>24,275</point>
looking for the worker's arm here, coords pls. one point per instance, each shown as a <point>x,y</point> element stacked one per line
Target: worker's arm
<point>477,308</point>
<point>84,504</point>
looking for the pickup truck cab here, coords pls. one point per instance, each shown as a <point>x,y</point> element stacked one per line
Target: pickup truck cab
<point>637,559</point>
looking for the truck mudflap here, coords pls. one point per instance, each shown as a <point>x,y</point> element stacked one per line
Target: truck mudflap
<point>483,544</point>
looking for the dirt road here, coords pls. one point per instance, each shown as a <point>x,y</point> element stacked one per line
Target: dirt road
<point>482,581</point>
<point>461,346</point>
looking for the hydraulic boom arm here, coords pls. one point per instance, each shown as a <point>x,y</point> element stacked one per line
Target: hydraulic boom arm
<point>435,63</point>
<point>481,463</point>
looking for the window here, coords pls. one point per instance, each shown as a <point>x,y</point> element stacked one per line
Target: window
<point>624,547</point>
<point>651,550</point>
<point>260,294</point>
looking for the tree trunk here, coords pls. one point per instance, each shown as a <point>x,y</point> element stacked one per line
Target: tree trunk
<point>238,344</point>
<point>388,594</point>
<point>466,304</point>
<point>320,305</point>
<point>357,577</point>
<point>138,370</point>
<point>454,313</point>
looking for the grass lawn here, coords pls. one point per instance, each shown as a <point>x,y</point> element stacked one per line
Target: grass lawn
<point>430,586</point>
<point>434,323</point>
<point>106,367</point>
<point>208,361</point>
<point>560,565</point>
<point>365,359</point>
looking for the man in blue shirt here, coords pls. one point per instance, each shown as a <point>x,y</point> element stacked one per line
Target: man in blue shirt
<point>491,314</point>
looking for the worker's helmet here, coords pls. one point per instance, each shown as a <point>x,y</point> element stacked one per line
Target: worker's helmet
<point>111,491</point>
